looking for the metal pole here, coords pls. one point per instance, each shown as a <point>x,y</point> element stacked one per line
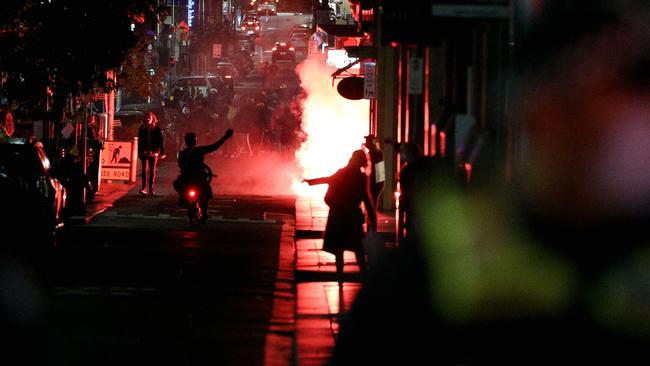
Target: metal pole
<point>110,75</point>
<point>84,144</point>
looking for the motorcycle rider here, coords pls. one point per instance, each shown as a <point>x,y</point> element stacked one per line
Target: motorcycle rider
<point>190,162</point>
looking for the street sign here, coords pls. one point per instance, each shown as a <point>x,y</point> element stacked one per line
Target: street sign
<point>351,88</point>
<point>416,73</point>
<point>117,160</point>
<point>369,80</point>
<point>115,173</point>
<point>67,130</point>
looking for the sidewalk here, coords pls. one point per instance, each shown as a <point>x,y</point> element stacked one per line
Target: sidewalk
<point>108,193</point>
<point>319,298</point>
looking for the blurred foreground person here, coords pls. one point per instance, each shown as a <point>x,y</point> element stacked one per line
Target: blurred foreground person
<point>556,268</point>
<point>348,188</point>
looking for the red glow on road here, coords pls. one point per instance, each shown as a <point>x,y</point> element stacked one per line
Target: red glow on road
<point>334,126</point>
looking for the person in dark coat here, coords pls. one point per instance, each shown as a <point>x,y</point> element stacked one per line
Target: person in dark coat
<point>348,188</point>
<point>151,147</point>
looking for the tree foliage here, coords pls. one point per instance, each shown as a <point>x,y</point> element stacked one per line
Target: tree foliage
<point>66,45</point>
<point>135,77</point>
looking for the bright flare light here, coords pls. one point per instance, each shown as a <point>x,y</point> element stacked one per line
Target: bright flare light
<point>334,127</point>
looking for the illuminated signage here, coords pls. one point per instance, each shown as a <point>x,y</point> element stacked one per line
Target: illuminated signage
<point>340,58</point>
<point>190,12</point>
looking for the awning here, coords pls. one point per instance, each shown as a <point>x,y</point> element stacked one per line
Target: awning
<point>343,69</point>
<point>341,30</point>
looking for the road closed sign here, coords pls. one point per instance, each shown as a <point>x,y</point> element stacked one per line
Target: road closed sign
<point>117,160</point>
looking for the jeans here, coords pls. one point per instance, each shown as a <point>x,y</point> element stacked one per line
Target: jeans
<point>149,163</point>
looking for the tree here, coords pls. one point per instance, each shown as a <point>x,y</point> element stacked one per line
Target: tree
<point>136,76</point>
<point>65,46</point>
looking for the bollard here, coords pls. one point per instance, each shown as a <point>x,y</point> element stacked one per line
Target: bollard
<point>134,160</point>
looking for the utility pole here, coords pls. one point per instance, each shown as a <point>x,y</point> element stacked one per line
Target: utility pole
<point>110,103</point>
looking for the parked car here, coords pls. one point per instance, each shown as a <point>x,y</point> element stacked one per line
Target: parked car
<point>282,51</point>
<point>202,84</point>
<point>33,198</point>
<point>129,114</point>
<point>188,89</point>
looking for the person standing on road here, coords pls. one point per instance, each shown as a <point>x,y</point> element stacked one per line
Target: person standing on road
<point>348,188</point>
<point>151,147</point>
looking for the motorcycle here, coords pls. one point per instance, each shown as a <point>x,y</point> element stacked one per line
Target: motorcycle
<point>194,210</point>
<point>191,194</point>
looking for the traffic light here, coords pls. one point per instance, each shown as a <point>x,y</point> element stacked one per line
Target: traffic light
<point>172,61</point>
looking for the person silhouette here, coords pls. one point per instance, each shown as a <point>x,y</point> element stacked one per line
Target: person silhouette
<point>116,154</point>
<point>348,188</point>
<point>191,164</point>
<point>151,147</point>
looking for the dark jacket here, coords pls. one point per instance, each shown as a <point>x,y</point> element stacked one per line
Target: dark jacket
<point>150,140</point>
<point>348,187</point>
<point>192,166</point>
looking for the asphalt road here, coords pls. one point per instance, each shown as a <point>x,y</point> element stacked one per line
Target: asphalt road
<point>136,285</point>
